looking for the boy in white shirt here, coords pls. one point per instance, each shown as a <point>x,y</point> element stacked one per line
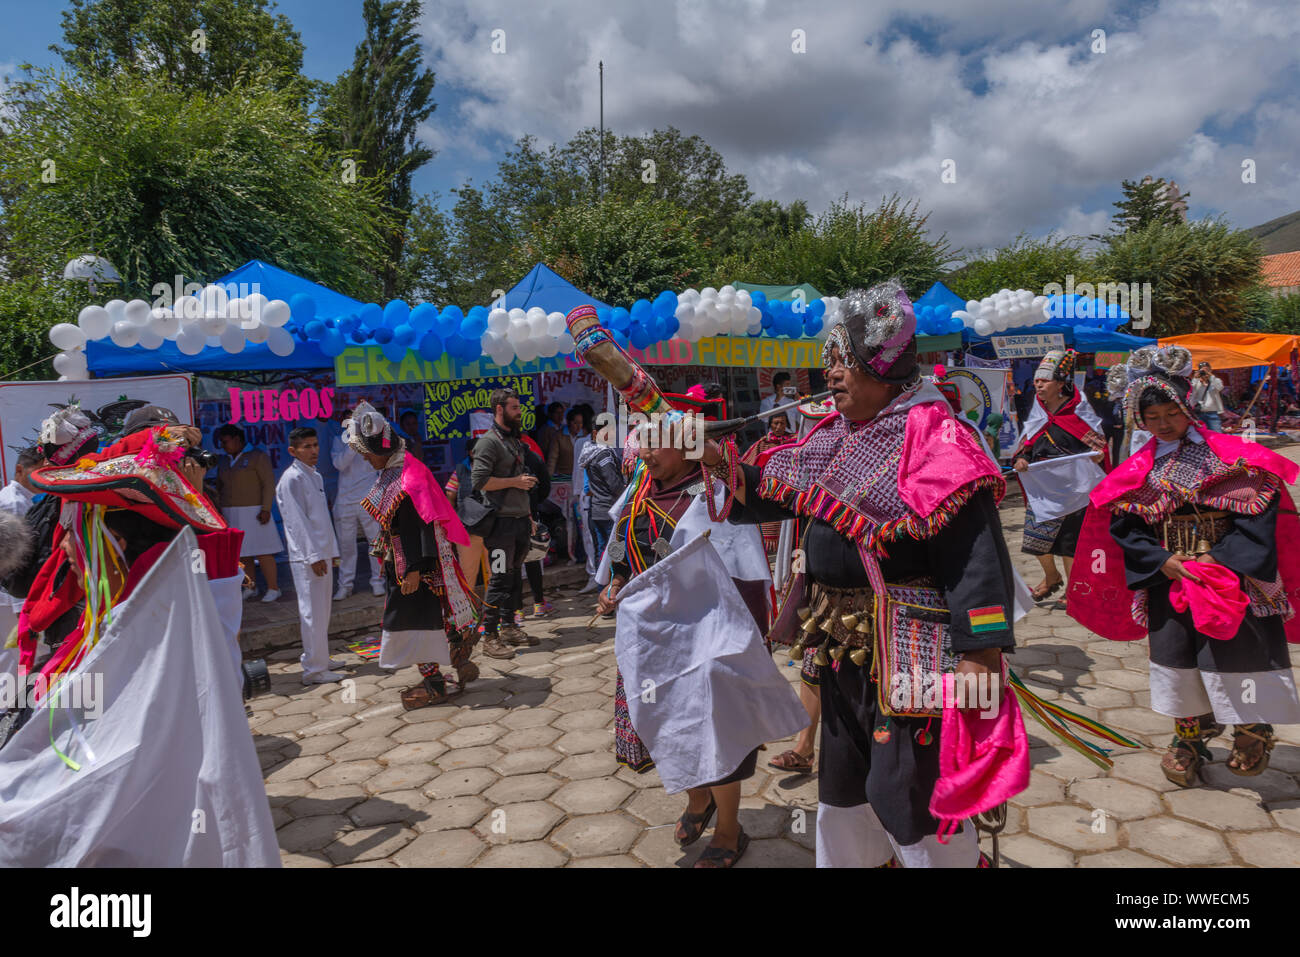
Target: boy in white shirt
<point>312,547</point>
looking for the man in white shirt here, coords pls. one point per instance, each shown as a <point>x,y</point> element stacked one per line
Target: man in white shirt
<point>16,499</point>
<point>356,478</point>
<point>779,382</point>
<point>309,537</point>
<point>1207,396</point>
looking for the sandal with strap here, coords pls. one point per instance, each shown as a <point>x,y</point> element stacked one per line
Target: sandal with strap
<point>434,689</point>
<point>693,825</point>
<point>1257,748</point>
<point>1042,594</point>
<point>791,760</point>
<point>720,857</point>
<point>466,673</point>
<point>1183,760</point>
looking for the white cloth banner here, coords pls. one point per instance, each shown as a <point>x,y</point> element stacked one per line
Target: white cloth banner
<point>703,692</point>
<point>169,775</point>
<point>1057,487</point>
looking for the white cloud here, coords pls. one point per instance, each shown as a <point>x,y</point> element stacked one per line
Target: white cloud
<point>1038,125</point>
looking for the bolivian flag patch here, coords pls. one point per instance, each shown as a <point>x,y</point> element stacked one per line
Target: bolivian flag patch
<point>992,618</point>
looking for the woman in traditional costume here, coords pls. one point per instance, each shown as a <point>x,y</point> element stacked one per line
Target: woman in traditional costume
<point>902,542</point>
<point>778,434</point>
<point>428,606</point>
<point>1060,423</point>
<point>1188,505</point>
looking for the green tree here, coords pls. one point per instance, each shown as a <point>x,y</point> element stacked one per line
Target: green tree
<point>428,272</point>
<point>207,45</point>
<point>1146,203</point>
<point>1281,314</point>
<point>1025,263</point>
<point>1201,273</point>
<point>850,246</point>
<point>28,308</point>
<point>617,250</point>
<point>375,110</point>
<point>164,182</point>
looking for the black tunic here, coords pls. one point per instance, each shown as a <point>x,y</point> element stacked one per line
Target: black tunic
<point>421,611</point>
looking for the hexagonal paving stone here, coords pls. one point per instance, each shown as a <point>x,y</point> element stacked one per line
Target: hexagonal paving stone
<point>520,718</point>
<point>761,820</point>
<point>298,768</point>
<point>474,736</point>
<point>416,752</point>
<point>581,702</point>
<point>1119,858</point>
<point>369,844</point>
<point>320,744</point>
<point>621,860</point>
<point>657,848</point>
<point>522,787</point>
<point>310,859</point>
<point>280,794</point>
<point>598,834</point>
<point>424,731</point>
<point>441,849</point>
<point>529,761</point>
<point>1123,680</point>
<point>526,738</point>
<point>1074,827</point>
<point>312,833</point>
<point>590,720</point>
<point>333,800</point>
<point>1142,767</point>
<point>528,821</point>
<point>531,854</point>
<point>401,777</point>
<point>374,728</point>
<point>582,742</point>
<point>460,782</point>
<point>775,853</point>
<point>1141,720</point>
<point>595,764</point>
<point>347,772</point>
<point>1042,789</point>
<point>572,686</point>
<point>365,748</point>
<point>1177,841</point>
<point>468,758</point>
<point>1268,785</point>
<point>300,706</point>
<point>286,724</point>
<point>450,814</point>
<point>1064,765</point>
<point>1121,800</point>
<point>592,797</point>
<point>656,806</point>
<point>1268,849</point>
<point>1023,850</point>
<point>396,807</point>
<point>468,717</point>
<point>1218,809</point>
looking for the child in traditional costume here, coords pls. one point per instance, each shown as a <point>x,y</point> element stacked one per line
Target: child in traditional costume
<point>1191,529</point>
<point>1060,423</point>
<point>428,608</point>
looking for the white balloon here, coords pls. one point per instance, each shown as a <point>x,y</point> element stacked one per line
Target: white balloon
<point>257,303</point>
<point>755,328</point>
<point>63,363</point>
<point>535,313</point>
<point>276,313</point>
<point>565,342</point>
<point>708,292</point>
<point>548,347</point>
<point>537,325</point>
<point>690,297</point>
<point>518,315</point>
<point>686,332</point>
<point>94,322</point>
<point>685,312</point>
<point>150,338</point>
<point>191,340</point>
<point>66,336</point>
<point>498,322</point>
<point>214,324</point>
<point>526,351</point>
<point>232,339</point>
<point>124,334</point>
<point>555,324</point>
<point>518,332</point>
<point>280,342</point>
<point>727,290</point>
<point>188,309</point>
<point>116,309</point>
<point>744,298</point>
<point>983,327</point>
<point>165,322</point>
<point>259,333</point>
<point>137,312</point>
<point>214,298</point>
<point>740,318</point>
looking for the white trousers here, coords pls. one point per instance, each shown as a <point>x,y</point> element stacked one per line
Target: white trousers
<point>854,837</point>
<point>314,612</point>
<point>346,519</point>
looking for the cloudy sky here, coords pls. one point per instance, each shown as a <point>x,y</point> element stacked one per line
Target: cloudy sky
<point>1039,124</point>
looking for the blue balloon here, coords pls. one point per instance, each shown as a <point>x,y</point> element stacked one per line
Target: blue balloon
<point>812,325</point>
<point>477,311</point>
<point>382,336</point>
<point>423,317</point>
<point>302,307</point>
<point>453,312</point>
<point>768,321</point>
<point>639,337</point>
<point>346,324</point>
<point>603,314</point>
<point>314,329</point>
<point>360,337</point>
<point>473,326</point>
<point>817,308</point>
<point>371,316</point>
<point>396,313</point>
<point>758,298</point>
<point>665,304</point>
<point>620,337</point>
<point>431,347</point>
<point>332,344</point>
<point>641,311</point>
<point>955,324</point>
<point>404,335</point>
<point>620,319</point>
<point>393,352</point>
<point>671,326</point>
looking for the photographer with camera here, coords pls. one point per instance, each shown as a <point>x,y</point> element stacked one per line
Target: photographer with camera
<point>1207,396</point>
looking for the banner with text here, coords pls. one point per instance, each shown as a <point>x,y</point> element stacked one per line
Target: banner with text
<point>447,405</point>
<point>1027,347</point>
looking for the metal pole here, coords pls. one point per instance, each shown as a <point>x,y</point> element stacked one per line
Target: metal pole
<point>600,173</point>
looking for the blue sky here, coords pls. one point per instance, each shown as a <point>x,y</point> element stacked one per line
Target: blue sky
<point>1039,125</point>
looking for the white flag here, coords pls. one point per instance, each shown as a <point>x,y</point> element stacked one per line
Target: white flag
<point>1057,487</point>
<point>702,689</point>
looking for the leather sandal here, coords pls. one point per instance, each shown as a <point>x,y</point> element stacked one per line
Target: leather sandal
<point>792,761</point>
<point>1042,594</point>
<point>1182,761</point>
<point>1258,746</point>
<point>721,857</point>
<point>434,689</point>
<point>693,825</point>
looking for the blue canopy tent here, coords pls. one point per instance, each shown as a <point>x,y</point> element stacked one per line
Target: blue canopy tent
<point>106,359</point>
<point>1082,338</point>
<point>547,289</point>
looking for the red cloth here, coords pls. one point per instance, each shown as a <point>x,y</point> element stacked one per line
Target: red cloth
<point>1217,602</point>
<point>537,449</point>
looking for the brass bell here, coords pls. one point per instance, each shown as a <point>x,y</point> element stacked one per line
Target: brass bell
<point>809,627</point>
<point>864,627</point>
<point>804,612</point>
<point>858,656</point>
<point>828,625</point>
<point>849,621</point>
<point>823,605</point>
<point>821,661</point>
<point>837,652</point>
<point>796,651</point>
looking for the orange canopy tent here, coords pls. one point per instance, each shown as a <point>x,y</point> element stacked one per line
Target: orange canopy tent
<point>1235,350</point>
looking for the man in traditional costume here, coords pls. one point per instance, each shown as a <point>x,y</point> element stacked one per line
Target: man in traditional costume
<point>428,611</point>
<point>905,561</point>
<point>1193,526</point>
<point>1060,423</point>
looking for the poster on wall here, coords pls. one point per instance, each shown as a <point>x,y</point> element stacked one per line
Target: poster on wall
<point>25,405</point>
<point>447,405</point>
<point>572,387</point>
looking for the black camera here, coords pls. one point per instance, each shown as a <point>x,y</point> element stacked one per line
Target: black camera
<point>202,457</point>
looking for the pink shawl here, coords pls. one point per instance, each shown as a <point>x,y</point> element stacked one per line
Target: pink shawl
<point>429,501</point>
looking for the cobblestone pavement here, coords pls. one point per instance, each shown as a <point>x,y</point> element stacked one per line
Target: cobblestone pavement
<point>520,771</point>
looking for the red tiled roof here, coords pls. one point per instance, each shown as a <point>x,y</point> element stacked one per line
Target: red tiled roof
<point>1282,270</point>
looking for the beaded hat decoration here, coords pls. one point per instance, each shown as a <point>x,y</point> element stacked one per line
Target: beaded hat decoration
<point>1057,365</point>
<point>369,432</point>
<point>878,333</point>
<point>1163,368</point>
<point>68,434</point>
